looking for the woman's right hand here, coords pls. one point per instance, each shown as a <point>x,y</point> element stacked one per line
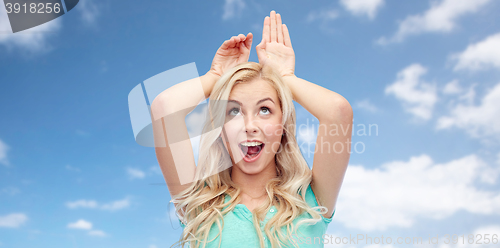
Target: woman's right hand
<point>276,47</point>
<point>231,53</point>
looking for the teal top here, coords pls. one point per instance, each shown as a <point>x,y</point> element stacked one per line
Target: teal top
<point>239,231</point>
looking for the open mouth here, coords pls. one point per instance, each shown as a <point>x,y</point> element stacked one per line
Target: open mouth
<point>251,150</point>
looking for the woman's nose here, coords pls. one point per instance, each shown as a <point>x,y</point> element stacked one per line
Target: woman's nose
<point>251,125</point>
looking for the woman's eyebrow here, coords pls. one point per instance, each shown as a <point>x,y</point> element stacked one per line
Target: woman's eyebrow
<point>261,100</point>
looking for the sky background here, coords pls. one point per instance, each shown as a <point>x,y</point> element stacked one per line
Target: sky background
<point>424,74</point>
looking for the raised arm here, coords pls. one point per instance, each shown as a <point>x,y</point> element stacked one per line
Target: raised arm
<point>170,108</point>
<point>333,112</point>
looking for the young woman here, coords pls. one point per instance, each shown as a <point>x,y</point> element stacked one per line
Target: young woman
<point>252,186</point>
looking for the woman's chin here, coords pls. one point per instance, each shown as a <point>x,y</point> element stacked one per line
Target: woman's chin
<point>249,170</point>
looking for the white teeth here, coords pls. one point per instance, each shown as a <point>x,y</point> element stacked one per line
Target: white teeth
<point>256,143</point>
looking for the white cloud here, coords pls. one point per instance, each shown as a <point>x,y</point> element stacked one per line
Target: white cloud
<point>30,40</point>
<point>86,225</point>
<point>306,139</point>
<point>80,224</point>
<point>232,8</point>
<point>13,220</point>
<point>323,15</point>
<point>89,11</point>
<point>480,56</point>
<point>111,206</point>
<point>417,96</point>
<point>195,120</point>
<point>452,88</point>
<point>441,17</point>
<point>456,93</point>
<point>195,143</point>
<point>10,190</point>
<point>97,233</point>
<point>3,153</point>
<point>155,169</point>
<point>478,120</point>
<point>366,105</point>
<point>135,173</point>
<point>469,94</point>
<point>367,8</point>
<point>82,204</point>
<point>194,123</point>
<point>116,205</point>
<point>491,229</point>
<point>401,192</point>
<point>306,135</point>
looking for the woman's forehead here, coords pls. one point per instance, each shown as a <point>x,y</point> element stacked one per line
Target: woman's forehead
<point>253,91</point>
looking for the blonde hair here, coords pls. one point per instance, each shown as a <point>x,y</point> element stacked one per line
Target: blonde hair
<point>201,205</point>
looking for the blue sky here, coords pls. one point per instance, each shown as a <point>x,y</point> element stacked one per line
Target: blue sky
<point>426,74</point>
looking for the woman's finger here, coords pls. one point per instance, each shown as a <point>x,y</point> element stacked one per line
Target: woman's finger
<point>279,27</point>
<point>234,41</point>
<point>225,45</point>
<point>266,32</point>
<point>273,26</point>
<point>243,48</point>
<point>286,36</point>
<point>248,41</point>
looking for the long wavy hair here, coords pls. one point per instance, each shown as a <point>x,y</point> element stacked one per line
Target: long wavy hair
<point>201,205</point>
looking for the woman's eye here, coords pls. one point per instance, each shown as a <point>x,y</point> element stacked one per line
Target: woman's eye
<point>266,110</point>
<point>234,110</point>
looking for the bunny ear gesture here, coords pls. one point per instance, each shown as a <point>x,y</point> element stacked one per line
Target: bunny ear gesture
<point>276,46</point>
<point>275,31</point>
<point>231,53</point>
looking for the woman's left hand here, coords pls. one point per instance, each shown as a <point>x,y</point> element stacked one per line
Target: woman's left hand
<point>231,53</point>
<point>276,46</point>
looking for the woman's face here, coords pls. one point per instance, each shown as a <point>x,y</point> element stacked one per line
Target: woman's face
<point>253,113</point>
